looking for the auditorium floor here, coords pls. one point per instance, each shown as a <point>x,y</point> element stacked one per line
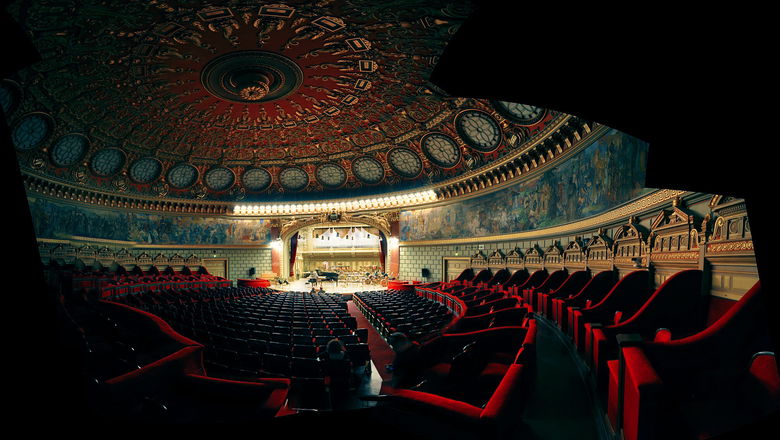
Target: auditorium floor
<point>562,404</point>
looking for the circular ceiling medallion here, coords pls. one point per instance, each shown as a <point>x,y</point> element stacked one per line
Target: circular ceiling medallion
<point>441,150</point>
<point>145,170</point>
<point>479,130</point>
<point>220,178</point>
<point>256,179</point>
<point>405,162</point>
<point>30,132</point>
<point>331,175</point>
<point>368,170</point>
<point>182,176</point>
<point>107,161</point>
<point>69,149</point>
<point>523,114</point>
<point>10,95</point>
<point>293,179</point>
<point>251,76</point>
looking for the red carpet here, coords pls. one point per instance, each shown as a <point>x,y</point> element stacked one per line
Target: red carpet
<point>381,353</point>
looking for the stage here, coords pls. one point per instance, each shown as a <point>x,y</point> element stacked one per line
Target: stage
<point>341,287</point>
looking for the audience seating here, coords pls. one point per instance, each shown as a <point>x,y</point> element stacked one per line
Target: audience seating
<point>678,306</point>
<point>518,278</point>
<point>532,281</point>
<point>626,297</point>
<point>699,386</point>
<point>402,311</point>
<point>498,278</point>
<point>593,292</point>
<point>553,281</point>
<point>483,276</point>
<point>571,286</point>
<point>484,401</point>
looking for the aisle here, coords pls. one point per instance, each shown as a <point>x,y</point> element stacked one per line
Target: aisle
<point>381,353</point>
<point>562,403</point>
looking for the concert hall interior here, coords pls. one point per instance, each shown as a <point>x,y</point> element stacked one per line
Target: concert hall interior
<point>420,218</point>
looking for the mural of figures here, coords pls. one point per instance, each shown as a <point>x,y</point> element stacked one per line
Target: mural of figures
<point>609,172</point>
<point>57,220</point>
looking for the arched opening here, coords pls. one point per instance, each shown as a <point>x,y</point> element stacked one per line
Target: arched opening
<point>342,255</point>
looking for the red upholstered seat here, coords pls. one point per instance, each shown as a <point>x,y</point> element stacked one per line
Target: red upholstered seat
<point>627,295</point>
<point>704,384</point>
<point>570,286</point>
<point>677,305</point>
<point>536,279</point>
<point>594,290</point>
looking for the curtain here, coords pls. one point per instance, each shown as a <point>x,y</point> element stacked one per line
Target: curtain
<point>382,249</point>
<point>293,252</point>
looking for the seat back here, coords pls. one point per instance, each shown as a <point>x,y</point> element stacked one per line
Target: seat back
<point>500,276</point>
<point>627,296</point>
<point>483,276</point>
<point>517,278</point>
<point>553,281</point>
<point>466,275</point>
<point>678,305</point>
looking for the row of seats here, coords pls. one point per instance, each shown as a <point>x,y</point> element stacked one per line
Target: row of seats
<point>161,378</point>
<point>402,311</point>
<point>276,335</point>
<point>474,376</point>
<point>661,368</point>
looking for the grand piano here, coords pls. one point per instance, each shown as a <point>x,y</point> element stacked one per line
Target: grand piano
<point>322,275</point>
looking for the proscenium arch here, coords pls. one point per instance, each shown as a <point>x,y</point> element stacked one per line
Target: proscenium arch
<point>343,220</point>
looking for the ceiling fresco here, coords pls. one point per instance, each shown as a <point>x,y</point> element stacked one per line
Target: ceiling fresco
<point>249,101</point>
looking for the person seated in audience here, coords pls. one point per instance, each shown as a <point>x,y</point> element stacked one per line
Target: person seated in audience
<point>335,350</point>
<point>337,365</point>
<point>405,365</point>
<point>313,290</point>
<point>321,290</point>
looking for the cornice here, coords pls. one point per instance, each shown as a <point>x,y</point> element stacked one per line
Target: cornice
<point>559,141</point>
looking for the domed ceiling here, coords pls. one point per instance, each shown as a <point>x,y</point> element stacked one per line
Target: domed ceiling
<point>249,101</point>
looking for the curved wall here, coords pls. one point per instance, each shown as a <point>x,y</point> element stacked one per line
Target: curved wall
<point>605,174</point>
<point>62,221</point>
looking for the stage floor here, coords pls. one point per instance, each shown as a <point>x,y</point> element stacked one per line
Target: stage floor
<point>303,285</point>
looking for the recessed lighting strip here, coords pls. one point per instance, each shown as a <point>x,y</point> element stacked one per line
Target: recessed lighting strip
<point>394,201</point>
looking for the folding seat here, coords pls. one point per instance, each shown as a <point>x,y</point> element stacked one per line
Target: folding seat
<point>304,350</point>
<point>276,364</point>
<point>593,292</point>
<point>278,348</point>
<point>297,331</point>
<point>571,286</point>
<point>322,340</point>
<point>279,337</point>
<point>628,294</point>
<point>257,345</point>
<point>303,339</point>
<point>321,332</point>
<point>349,339</point>
<point>362,334</point>
<point>358,353</point>
<point>250,361</point>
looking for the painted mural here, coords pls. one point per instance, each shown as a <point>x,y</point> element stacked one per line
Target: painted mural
<point>57,220</point>
<point>609,172</point>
